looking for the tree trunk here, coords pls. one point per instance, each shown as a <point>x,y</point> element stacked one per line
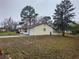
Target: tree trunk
<point>63,33</point>
<point>29,25</point>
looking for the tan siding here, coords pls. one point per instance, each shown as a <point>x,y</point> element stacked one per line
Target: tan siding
<point>39,30</point>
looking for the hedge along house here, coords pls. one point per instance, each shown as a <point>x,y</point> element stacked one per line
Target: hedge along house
<point>38,29</point>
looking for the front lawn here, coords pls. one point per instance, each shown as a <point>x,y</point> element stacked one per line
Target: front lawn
<point>7,33</point>
<point>41,47</point>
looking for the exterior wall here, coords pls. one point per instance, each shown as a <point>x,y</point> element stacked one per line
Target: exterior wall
<point>41,30</point>
<point>2,30</point>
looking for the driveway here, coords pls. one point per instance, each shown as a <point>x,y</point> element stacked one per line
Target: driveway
<point>12,36</point>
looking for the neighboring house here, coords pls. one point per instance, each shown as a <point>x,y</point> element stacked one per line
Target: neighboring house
<point>37,29</point>
<point>21,29</point>
<point>2,29</point>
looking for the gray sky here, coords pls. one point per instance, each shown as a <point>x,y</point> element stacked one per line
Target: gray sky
<point>12,8</point>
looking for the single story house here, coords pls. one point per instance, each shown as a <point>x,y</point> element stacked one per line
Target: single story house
<point>37,29</point>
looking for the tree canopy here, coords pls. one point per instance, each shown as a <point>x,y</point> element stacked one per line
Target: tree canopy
<point>63,16</point>
<point>28,13</point>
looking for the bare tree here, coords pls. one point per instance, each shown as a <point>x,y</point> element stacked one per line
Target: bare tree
<point>44,19</point>
<point>9,24</point>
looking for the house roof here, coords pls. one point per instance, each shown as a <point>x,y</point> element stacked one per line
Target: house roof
<point>32,26</point>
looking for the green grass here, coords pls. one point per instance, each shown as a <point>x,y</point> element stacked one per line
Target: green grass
<point>7,33</point>
<point>42,47</point>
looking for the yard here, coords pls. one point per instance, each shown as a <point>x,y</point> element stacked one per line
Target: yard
<point>41,47</point>
<point>7,33</point>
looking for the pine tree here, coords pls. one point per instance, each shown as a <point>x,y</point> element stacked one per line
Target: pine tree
<point>63,16</point>
<point>28,14</point>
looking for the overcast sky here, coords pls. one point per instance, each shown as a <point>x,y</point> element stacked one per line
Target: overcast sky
<point>12,8</point>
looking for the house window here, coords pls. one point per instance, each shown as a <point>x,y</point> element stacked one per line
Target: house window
<point>44,29</point>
